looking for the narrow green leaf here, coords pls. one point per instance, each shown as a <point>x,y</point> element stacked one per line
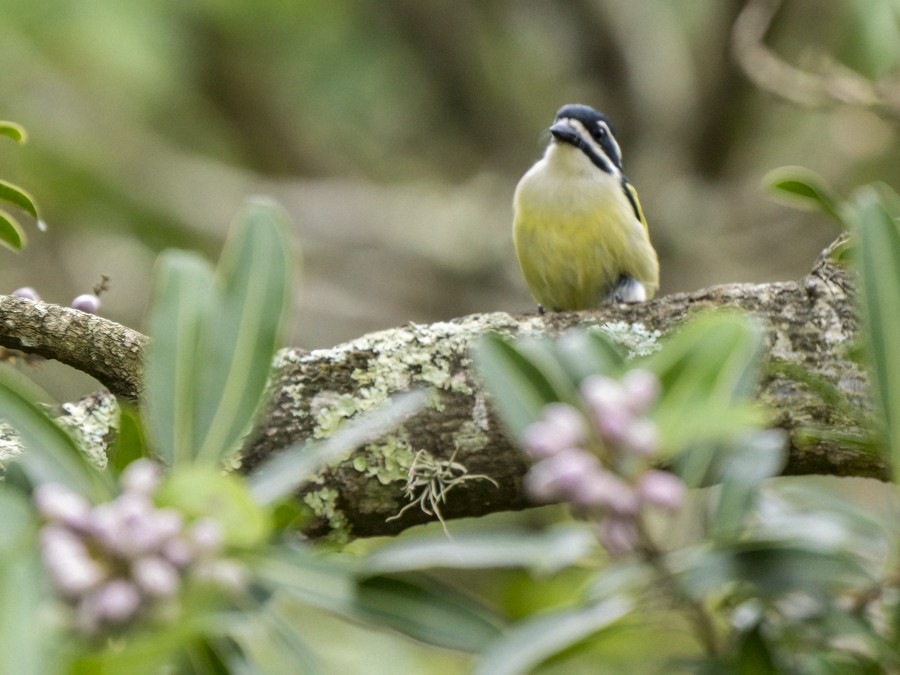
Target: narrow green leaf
<point>878,255</point>
<point>802,188</point>
<point>590,352</point>
<point>130,443</point>
<point>518,388</point>
<point>752,654</point>
<point>16,195</point>
<point>50,454</point>
<point>280,476</point>
<point>529,644</point>
<point>546,552</point>
<point>13,131</point>
<point>415,607</point>
<point>181,300</point>
<point>768,569</point>
<point>22,588</point>
<point>254,281</point>
<point>11,233</point>
<point>426,611</point>
<point>760,456</point>
<point>272,644</point>
<point>707,369</point>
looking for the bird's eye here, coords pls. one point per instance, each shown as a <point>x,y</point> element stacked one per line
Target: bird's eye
<point>600,131</point>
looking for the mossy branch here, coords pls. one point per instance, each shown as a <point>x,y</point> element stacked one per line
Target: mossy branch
<point>811,327</point>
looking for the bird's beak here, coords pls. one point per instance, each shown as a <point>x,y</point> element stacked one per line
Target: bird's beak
<point>565,132</point>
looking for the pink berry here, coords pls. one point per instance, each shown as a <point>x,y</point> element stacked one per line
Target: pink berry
<point>87,302</point>
<point>26,293</point>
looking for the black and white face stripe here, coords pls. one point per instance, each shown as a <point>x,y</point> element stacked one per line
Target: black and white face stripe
<point>591,132</point>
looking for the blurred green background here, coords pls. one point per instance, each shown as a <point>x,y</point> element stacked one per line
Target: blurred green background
<point>395,131</point>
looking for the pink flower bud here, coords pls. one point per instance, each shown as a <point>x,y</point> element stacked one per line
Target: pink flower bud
<point>141,476</point>
<point>71,569</point>
<point>155,577</point>
<point>640,438</point>
<point>641,389</point>
<point>618,535</point>
<point>26,293</point>
<point>661,488</point>
<point>558,478</point>
<point>561,426</point>
<point>603,394</point>
<point>116,601</point>
<point>86,302</point>
<point>206,536</point>
<point>606,491</point>
<point>178,551</point>
<point>57,502</point>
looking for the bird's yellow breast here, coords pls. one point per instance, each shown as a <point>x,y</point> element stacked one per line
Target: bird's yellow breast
<point>576,233</point>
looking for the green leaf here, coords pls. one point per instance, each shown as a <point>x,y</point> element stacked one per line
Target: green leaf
<point>805,189</point>
<point>11,233</point>
<point>50,453</point>
<point>752,655</point>
<point>767,569</point>
<point>13,131</point>
<point>547,551</point>
<point>518,388</point>
<point>254,281</point>
<point>878,254</point>
<point>130,443</point>
<point>22,588</point>
<point>202,491</point>
<point>272,645</point>
<point>709,370</point>
<point>426,611</point>
<point>181,298</point>
<point>530,643</point>
<point>214,338</point>
<point>279,476</point>
<point>416,607</point>
<point>759,456</point>
<point>590,352</point>
<point>16,195</point>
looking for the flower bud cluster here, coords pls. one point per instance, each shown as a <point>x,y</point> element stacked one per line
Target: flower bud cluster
<point>599,459</point>
<point>117,562</point>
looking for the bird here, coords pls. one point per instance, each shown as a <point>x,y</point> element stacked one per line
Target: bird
<point>580,235</point>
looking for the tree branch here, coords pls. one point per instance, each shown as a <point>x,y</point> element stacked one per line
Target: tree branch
<point>810,326</point>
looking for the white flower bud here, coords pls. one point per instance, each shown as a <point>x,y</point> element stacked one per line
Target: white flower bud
<point>178,551</point>
<point>115,602</point>
<point>641,438</point>
<point>206,536</point>
<point>156,577</point>
<point>59,503</point>
<point>142,476</point>
<point>71,569</point>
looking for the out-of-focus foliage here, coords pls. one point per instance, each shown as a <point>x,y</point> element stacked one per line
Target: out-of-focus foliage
<point>11,233</point>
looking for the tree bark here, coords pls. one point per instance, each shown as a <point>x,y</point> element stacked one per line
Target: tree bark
<point>811,325</point>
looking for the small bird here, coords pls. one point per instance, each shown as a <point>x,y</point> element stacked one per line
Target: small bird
<point>579,232</point>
